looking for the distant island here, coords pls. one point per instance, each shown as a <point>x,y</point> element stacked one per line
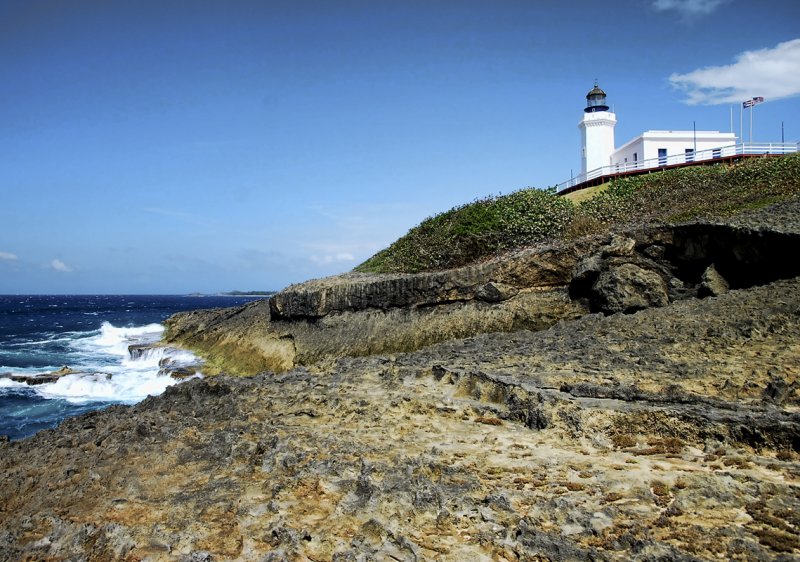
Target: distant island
<point>236,294</point>
<point>248,293</point>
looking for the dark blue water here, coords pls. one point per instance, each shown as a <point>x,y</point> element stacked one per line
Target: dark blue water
<point>90,334</point>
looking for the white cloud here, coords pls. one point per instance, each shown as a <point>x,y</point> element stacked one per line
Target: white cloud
<point>771,73</point>
<point>7,256</point>
<point>332,258</point>
<point>688,8</point>
<point>59,265</point>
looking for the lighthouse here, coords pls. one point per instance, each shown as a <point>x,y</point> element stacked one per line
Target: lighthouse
<point>597,131</point>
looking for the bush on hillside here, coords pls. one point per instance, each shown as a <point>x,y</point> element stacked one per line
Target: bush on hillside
<point>489,226</point>
<point>474,231</point>
<point>695,192</point>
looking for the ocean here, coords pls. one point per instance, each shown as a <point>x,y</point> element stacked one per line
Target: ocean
<point>89,334</point>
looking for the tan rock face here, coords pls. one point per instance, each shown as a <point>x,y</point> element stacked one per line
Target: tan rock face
<point>493,281</point>
<point>248,341</point>
<point>668,434</point>
<point>628,288</point>
<point>658,435</point>
<point>357,315</point>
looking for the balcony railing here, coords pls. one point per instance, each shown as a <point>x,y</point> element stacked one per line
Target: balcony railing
<point>732,150</point>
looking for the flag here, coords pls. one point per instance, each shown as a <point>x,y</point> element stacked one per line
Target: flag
<point>752,102</point>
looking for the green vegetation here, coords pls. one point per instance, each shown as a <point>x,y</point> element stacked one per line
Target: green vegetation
<point>469,232</point>
<point>578,197</point>
<point>695,192</point>
<point>494,225</point>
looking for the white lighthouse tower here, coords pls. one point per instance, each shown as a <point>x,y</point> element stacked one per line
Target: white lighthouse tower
<point>597,131</point>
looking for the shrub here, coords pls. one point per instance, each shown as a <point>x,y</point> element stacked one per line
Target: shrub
<point>695,192</point>
<point>493,225</point>
<point>474,231</point>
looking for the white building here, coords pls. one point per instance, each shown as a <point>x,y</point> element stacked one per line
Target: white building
<point>597,131</point>
<point>652,150</point>
<point>658,147</point>
<point>661,145</point>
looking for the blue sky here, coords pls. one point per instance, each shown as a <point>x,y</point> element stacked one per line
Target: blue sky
<point>180,146</point>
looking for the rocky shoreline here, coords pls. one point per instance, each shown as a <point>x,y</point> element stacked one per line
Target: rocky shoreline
<point>529,419</point>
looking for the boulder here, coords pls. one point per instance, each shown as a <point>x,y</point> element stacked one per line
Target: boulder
<point>628,288</point>
<point>137,350</point>
<point>712,284</point>
<point>619,246</point>
<point>495,292</point>
<point>179,373</point>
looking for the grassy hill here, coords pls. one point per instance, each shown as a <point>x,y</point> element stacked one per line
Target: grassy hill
<point>493,225</point>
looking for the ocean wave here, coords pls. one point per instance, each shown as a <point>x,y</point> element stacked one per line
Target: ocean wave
<point>8,383</point>
<point>125,387</point>
<point>50,339</point>
<point>106,370</point>
<point>116,340</point>
<point>41,334</point>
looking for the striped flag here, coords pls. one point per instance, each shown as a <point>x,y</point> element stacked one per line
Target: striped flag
<point>752,102</point>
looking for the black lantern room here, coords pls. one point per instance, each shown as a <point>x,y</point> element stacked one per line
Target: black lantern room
<point>596,100</point>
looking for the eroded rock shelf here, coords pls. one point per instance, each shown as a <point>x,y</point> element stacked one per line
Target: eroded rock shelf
<point>518,427</point>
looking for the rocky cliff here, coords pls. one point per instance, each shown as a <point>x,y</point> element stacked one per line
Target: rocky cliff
<point>663,426</point>
<point>360,314</point>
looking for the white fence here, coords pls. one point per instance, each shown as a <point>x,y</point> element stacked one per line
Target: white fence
<point>677,159</point>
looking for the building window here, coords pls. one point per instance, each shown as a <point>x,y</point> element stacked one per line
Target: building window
<point>689,155</point>
<point>635,156</point>
<point>662,156</point>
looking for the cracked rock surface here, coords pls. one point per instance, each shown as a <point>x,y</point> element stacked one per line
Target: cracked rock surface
<point>669,434</point>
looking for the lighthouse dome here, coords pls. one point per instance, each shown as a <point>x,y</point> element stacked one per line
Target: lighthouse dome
<point>595,92</point>
<point>596,100</point>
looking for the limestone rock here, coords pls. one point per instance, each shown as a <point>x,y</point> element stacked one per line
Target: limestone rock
<point>712,284</point>
<point>587,271</point>
<point>177,373</point>
<point>495,292</point>
<point>44,378</point>
<point>360,314</point>
<point>248,341</point>
<point>616,438</point>
<point>542,266</point>
<point>628,288</point>
<point>619,246</point>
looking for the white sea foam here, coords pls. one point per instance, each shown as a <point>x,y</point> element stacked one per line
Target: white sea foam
<point>8,383</point>
<point>116,340</point>
<point>126,386</point>
<point>108,373</point>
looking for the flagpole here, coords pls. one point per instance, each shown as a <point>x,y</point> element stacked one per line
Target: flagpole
<point>751,124</point>
<point>741,126</point>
